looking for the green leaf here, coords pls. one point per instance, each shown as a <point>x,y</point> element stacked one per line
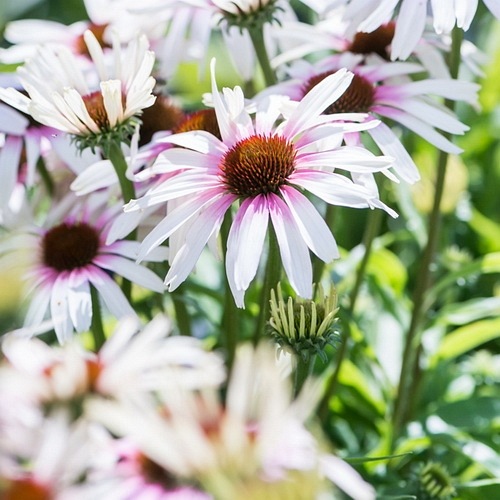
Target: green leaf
<point>475,413</point>
<point>466,338</point>
<point>362,460</point>
<point>471,310</point>
<point>488,230</point>
<point>490,263</point>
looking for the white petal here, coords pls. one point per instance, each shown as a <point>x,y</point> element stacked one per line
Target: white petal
<point>312,227</point>
<point>293,249</point>
<point>113,297</point>
<point>409,28</point>
<point>133,272</point>
<point>244,244</point>
<point>197,236</point>
<point>80,305</point>
<point>389,144</point>
<point>112,98</point>
<point>59,312</point>
<point>316,101</point>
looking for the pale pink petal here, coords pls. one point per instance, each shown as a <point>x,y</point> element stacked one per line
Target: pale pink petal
<point>293,249</point>
<point>199,233</point>
<point>312,227</point>
<point>10,154</point>
<point>244,245</point>
<point>11,121</point>
<point>133,272</point>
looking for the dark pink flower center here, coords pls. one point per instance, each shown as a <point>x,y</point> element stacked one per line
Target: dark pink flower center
<point>358,98</point>
<point>258,165</point>
<point>67,247</point>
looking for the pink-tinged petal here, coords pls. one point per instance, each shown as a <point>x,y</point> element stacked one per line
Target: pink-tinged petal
<point>177,159</point>
<point>244,245</point>
<point>351,158</point>
<point>38,307</point>
<point>111,293</point>
<point>175,219</point>
<point>293,249</point>
<point>316,101</point>
<point>10,154</point>
<point>439,117</point>
<point>183,184</point>
<point>11,121</point>
<point>338,190</point>
<point>456,90</point>
<point>59,312</point>
<point>133,272</point>
<point>79,302</point>
<point>420,128</point>
<point>409,28</point>
<point>203,227</point>
<point>390,145</point>
<point>312,227</point>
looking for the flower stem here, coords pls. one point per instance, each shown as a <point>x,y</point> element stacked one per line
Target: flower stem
<point>96,324</point>
<point>303,370</point>
<point>231,316</point>
<point>114,154</point>
<point>182,316</point>
<point>406,387</point>
<point>271,279</point>
<point>372,229</point>
<point>257,37</point>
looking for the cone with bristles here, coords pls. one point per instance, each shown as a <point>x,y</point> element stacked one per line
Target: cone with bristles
<point>304,327</point>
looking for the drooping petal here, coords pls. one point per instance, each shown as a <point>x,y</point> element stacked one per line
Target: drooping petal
<point>79,303</point>
<point>293,249</point>
<point>312,227</point>
<point>244,245</point>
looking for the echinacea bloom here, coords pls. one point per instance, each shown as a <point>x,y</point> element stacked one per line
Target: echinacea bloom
<point>96,108</point>
<point>264,167</point>
<point>368,15</point>
<point>70,256</point>
<point>386,91</point>
<point>251,444</point>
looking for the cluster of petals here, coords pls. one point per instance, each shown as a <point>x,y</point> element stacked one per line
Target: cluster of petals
<point>58,87</point>
<point>48,438</point>
<point>253,437</point>
<point>296,222</point>
<point>395,97</point>
<point>368,15</point>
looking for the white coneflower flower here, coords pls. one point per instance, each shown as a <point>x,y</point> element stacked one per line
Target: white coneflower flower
<point>265,167</point>
<point>252,444</point>
<point>96,108</point>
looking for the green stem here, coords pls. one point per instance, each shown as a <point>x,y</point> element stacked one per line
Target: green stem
<point>372,229</point>
<point>182,316</point>
<point>406,387</point>
<point>257,37</point>
<point>96,325</point>
<point>303,370</point>
<point>114,154</point>
<point>231,316</point>
<point>271,279</point>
